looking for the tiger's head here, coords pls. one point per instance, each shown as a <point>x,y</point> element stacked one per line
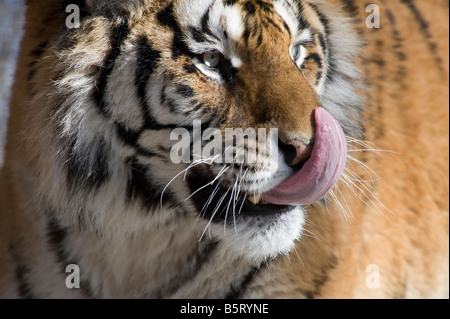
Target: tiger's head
<point>138,71</point>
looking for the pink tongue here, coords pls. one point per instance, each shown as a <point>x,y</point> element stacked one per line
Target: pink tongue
<point>321,172</point>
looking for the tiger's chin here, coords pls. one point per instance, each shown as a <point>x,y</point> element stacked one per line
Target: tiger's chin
<point>259,237</point>
<point>247,225</point>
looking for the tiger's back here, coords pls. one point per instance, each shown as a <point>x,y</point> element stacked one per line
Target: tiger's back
<point>383,234</point>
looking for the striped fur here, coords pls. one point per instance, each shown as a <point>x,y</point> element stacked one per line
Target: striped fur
<point>92,183</point>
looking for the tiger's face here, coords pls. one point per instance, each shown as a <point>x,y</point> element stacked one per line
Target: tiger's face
<point>257,65</point>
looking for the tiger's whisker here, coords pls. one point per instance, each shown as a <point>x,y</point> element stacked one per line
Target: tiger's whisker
<point>221,172</point>
<point>214,213</point>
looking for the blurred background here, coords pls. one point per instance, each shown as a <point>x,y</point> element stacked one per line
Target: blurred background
<point>12,15</point>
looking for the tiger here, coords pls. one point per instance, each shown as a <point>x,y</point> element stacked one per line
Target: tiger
<point>348,197</point>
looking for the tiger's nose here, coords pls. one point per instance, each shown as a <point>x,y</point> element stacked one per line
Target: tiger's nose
<point>296,152</point>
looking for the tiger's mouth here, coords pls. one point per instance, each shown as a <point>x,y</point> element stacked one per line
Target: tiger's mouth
<point>264,208</point>
<point>220,204</point>
<point>322,170</point>
<point>307,185</point>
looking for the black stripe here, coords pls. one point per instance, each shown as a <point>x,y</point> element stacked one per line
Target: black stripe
<point>197,106</point>
<point>205,21</point>
<point>423,24</point>
<point>131,138</point>
<point>246,34</point>
<point>167,18</point>
<point>316,58</point>
<point>56,237</point>
<point>353,11</point>
<point>185,91</point>
<point>227,71</point>
<point>167,101</point>
<point>99,171</point>
<point>236,291</point>
<point>249,7</point>
<point>198,35</point>
<point>319,77</point>
<point>251,30</point>
<point>36,54</point>
<point>230,2</point>
<point>204,24</point>
<point>82,171</point>
<point>274,24</point>
<point>21,274</point>
<point>128,136</point>
<point>189,268</point>
<point>266,7</point>
<point>325,40</point>
<point>379,77</point>
<point>190,68</point>
<point>39,50</point>
<point>146,63</point>
<point>74,171</point>
<point>398,50</point>
<point>118,35</point>
<point>260,39</point>
<point>82,220</point>
<point>323,44</point>
<point>350,7</point>
<point>318,281</point>
<point>57,240</point>
<point>322,17</point>
<point>425,30</point>
<point>285,25</point>
<point>141,186</point>
<point>179,47</point>
<point>303,24</point>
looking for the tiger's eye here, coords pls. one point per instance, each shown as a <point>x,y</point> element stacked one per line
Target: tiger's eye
<point>211,59</point>
<point>296,50</point>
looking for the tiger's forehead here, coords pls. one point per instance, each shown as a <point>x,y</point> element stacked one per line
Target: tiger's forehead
<point>235,19</point>
<point>239,29</point>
